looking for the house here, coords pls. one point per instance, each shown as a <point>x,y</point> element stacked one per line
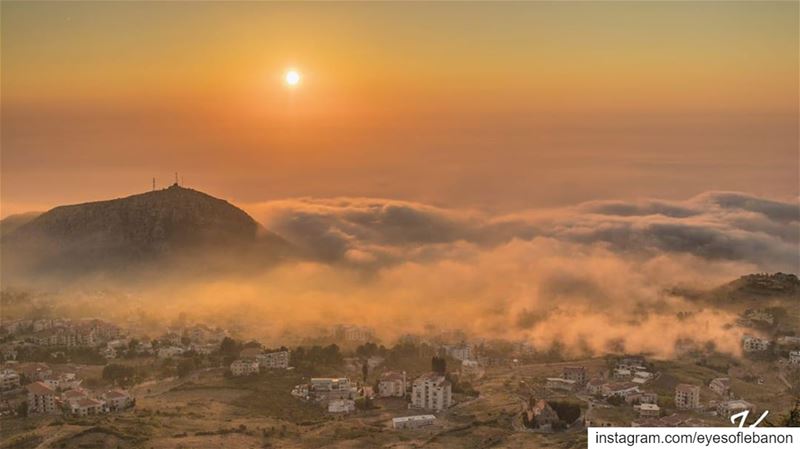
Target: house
<point>87,406</point>
<point>169,351</point>
<point>648,410</point>
<point>431,391</point>
<point>642,398</point>
<point>341,406</point>
<point>641,377</point>
<point>413,422</point>
<point>622,374</point>
<point>721,386</point>
<point>470,368</point>
<point>789,340</point>
<point>70,398</point>
<point>631,362</point>
<point>730,408</point>
<point>754,344</point>
<point>244,367</point>
<point>9,379</point>
<point>274,360</point>
<point>330,388</point>
<point>460,352</point>
<point>117,400</point>
<point>619,389</point>
<point>392,384</point>
<point>557,383</point>
<point>687,396</point>
<point>41,398</point>
<point>794,358</point>
<point>595,385</point>
<point>574,373</point>
<point>539,415</point>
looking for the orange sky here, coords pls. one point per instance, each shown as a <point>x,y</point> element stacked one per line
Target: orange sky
<point>499,106</point>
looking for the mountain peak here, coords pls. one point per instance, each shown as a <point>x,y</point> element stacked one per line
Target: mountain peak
<point>142,227</point>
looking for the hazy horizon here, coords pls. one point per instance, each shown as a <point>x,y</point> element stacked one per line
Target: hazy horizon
<point>499,107</point>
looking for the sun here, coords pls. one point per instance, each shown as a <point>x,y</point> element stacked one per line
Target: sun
<point>292,77</point>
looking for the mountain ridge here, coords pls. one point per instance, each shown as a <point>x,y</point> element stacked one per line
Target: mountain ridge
<point>119,233</point>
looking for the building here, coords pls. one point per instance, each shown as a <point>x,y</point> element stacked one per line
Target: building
<point>392,384</point>
<point>41,399</point>
<point>87,406</point>
<point>470,368</point>
<point>574,373</point>
<point>330,388</point>
<point>243,367</point>
<point>721,386</point>
<point>341,406</point>
<point>432,392</point>
<point>730,408</point>
<point>117,400</point>
<point>9,379</point>
<point>460,352</point>
<point>413,422</point>
<point>642,398</point>
<point>595,385</point>
<point>754,344</point>
<point>622,374</point>
<point>794,358</point>
<point>557,383</point>
<point>169,352</point>
<point>687,396</point>
<point>641,377</point>
<point>619,389</point>
<point>649,410</point>
<point>274,360</point>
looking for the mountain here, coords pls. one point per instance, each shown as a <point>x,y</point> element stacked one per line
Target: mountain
<point>12,222</point>
<point>172,224</point>
<point>760,285</point>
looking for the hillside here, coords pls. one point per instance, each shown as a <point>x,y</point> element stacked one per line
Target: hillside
<point>171,223</point>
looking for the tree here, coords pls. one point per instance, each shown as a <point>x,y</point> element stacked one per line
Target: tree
<point>439,365</point>
<point>121,374</point>
<point>229,347</point>
<point>793,420</point>
<point>186,366</point>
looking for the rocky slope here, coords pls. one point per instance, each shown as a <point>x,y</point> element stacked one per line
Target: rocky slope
<point>171,223</point>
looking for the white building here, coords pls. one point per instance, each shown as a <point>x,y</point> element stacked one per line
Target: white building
<point>721,386</point>
<point>649,410</point>
<point>117,400</point>
<point>169,352</point>
<point>87,406</point>
<point>460,352</point>
<point>574,373</point>
<point>244,367</point>
<point>9,379</point>
<point>619,389</point>
<point>687,396</point>
<point>330,388</point>
<point>431,391</point>
<point>413,422</point>
<point>754,344</point>
<point>794,358</point>
<point>729,408</point>
<point>41,398</point>
<point>274,360</point>
<point>341,406</point>
<point>392,384</point>
<point>557,383</point>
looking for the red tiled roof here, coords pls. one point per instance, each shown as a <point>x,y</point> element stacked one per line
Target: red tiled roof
<point>39,388</point>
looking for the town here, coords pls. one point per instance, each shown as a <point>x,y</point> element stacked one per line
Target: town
<point>65,371</point>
